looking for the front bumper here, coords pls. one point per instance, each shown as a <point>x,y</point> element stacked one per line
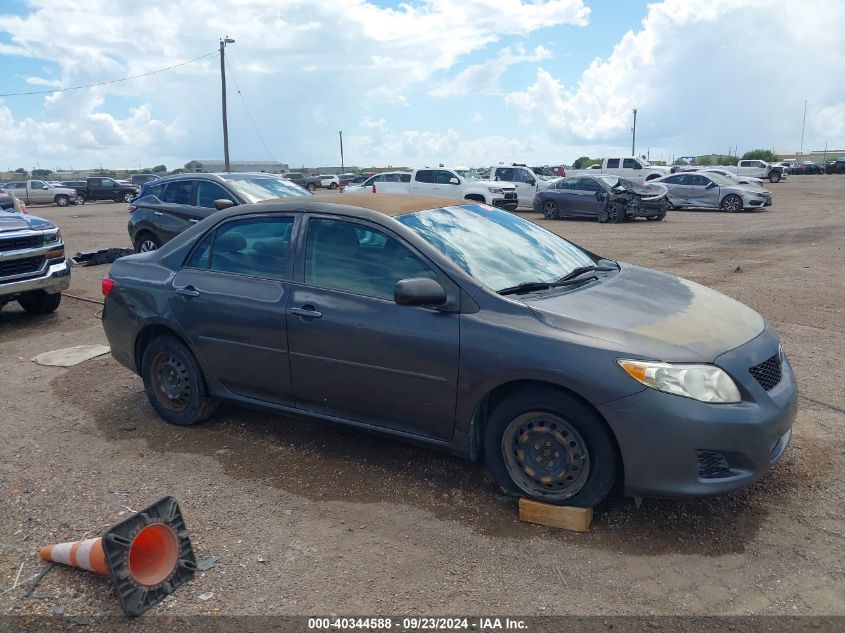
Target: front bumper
<point>54,279</point>
<point>508,204</point>
<point>673,446</point>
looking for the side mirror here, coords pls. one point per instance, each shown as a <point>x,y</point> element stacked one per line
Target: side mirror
<point>454,181</point>
<point>45,187</point>
<point>419,291</point>
<point>223,203</point>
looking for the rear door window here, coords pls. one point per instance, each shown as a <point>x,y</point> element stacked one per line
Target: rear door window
<point>425,175</point>
<point>258,247</point>
<point>612,163</point>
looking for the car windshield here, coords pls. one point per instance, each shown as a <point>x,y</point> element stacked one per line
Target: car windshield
<point>258,189</point>
<point>610,180</point>
<point>468,174</point>
<point>719,179</point>
<point>495,247</point>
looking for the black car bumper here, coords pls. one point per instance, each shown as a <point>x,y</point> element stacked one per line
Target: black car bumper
<point>673,446</point>
<point>507,203</point>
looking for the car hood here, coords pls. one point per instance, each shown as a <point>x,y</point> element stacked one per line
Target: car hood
<point>19,222</point>
<point>502,184</point>
<point>642,189</point>
<point>653,315</point>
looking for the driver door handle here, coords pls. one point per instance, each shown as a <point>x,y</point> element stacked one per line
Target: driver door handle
<point>188,291</point>
<point>306,312</point>
<point>157,213</point>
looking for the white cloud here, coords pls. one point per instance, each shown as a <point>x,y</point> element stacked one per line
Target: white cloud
<point>706,74</point>
<point>289,58</point>
<point>484,77</point>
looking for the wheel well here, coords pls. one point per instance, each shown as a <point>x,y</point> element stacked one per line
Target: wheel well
<point>474,196</point>
<point>652,177</point>
<point>146,335</point>
<point>502,392</point>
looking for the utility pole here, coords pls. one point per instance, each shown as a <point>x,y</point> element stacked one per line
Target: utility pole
<point>342,168</point>
<point>803,122</point>
<point>223,42</point>
<point>634,134</point>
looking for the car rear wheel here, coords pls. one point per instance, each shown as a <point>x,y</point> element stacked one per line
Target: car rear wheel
<point>550,210</point>
<point>80,199</point>
<point>333,185</point>
<point>40,302</point>
<point>311,187</point>
<point>128,196</point>
<point>62,200</point>
<point>774,176</point>
<point>732,203</point>
<point>548,445</point>
<point>146,242</point>
<point>174,382</point>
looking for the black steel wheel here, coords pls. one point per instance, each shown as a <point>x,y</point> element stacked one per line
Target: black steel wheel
<point>174,382</point>
<point>40,302</point>
<point>547,444</point>
<point>732,203</point>
<point>545,455</point>
<point>550,210</point>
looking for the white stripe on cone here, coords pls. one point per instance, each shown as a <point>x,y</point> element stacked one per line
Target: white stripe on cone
<point>60,553</point>
<point>83,554</point>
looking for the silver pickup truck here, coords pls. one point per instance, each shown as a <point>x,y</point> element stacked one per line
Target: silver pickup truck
<point>33,268</point>
<point>39,192</point>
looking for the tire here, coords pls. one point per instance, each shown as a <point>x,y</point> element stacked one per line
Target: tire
<point>80,199</point>
<point>656,218</point>
<point>311,187</point>
<point>146,242</point>
<point>774,176</point>
<point>174,382</point>
<point>333,185</point>
<point>62,200</point>
<point>118,198</point>
<point>572,432</point>
<point>128,197</point>
<point>615,215</point>
<point>551,210</point>
<point>731,203</point>
<point>40,302</point>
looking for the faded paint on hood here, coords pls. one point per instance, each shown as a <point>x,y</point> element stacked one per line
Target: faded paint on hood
<point>10,221</point>
<point>654,315</point>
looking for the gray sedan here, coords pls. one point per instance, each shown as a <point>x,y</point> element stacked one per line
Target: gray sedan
<point>714,191</point>
<point>462,327</point>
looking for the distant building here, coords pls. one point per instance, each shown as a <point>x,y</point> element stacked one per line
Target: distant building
<point>816,155</point>
<point>212,166</point>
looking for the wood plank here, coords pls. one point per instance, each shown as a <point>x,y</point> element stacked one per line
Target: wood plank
<point>565,517</point>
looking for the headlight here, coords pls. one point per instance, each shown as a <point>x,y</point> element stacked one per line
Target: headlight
<point>706,383</point>
<point>496,190</point>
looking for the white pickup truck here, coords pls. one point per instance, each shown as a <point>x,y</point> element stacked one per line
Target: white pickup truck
<point>630,167</point>
<point>526,181</point>
<point>441,182</point>
<point>39,192</point>
<point>759,169</point>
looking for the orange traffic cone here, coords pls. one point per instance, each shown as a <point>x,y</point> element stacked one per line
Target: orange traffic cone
<point>148,555</point>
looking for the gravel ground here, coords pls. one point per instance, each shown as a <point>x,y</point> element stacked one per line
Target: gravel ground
<point>306,518</point>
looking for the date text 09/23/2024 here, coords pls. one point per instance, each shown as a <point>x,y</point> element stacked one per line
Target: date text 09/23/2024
<point>409,623</point>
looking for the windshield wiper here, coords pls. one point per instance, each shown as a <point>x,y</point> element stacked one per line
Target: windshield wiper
<point>577,272</point>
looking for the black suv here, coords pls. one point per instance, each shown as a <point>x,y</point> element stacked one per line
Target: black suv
<point>168,206</point>
<point>835,167</point>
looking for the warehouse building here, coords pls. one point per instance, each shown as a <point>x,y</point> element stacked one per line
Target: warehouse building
<point>212,166</point>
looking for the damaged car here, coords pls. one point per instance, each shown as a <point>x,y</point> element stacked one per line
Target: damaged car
<point>459,326</point>
<point>714,191</point>
<point>606,198</point>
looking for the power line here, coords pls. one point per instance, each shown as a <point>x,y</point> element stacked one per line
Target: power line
<point>112,81</point>
<point>249,116</point>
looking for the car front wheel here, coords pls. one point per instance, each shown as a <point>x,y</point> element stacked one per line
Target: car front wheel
<point>40,302</point>
<point>548,445</point>
<point>174,382</point>
<point>550,210</point>
<point>62,200</point>
<point>732,203</point>
<point>333,185</point>
<point>774,176</point>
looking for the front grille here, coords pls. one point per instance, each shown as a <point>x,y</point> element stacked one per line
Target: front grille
<point>20,243</point>
<point>712,465</point>
<point>510,195</point>
<point>21,266</point>
<point>768,373</point>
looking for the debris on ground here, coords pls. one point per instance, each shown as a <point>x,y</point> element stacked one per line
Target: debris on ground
<point>103,256</point>
<point>207,563</point>
<point>70,356</point>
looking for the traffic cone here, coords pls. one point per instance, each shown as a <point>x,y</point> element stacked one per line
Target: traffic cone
<point>148,555</point>
<point>340,187</point>
<point>374,187</point>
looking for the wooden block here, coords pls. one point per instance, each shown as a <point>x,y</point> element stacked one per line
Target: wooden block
<point>566,517</point>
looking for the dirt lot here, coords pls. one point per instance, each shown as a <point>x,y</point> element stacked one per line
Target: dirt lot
<point>311,519</point>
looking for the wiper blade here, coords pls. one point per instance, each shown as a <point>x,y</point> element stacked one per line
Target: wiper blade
<point>577,272</point>
<point>528,286</point>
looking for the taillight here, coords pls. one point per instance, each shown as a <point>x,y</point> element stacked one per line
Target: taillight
<point>131,208</point>
<point>107,286</point>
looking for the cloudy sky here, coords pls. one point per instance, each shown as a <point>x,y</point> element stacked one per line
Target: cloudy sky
<point>417,82</point>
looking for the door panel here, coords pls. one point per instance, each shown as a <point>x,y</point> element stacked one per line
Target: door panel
<point>231,299</point>
<point>356,354</point>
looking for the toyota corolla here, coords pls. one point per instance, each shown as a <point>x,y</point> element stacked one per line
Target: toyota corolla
<point>463,327</point>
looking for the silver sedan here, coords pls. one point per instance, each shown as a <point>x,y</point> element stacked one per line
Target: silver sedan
<point>713,191</point>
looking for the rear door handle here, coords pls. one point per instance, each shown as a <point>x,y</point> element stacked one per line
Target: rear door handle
<point>193,220</point>
<point>306,312</point>
<point>188,291</point>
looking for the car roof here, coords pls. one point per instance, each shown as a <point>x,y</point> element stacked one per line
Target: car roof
<point>389,204</point>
